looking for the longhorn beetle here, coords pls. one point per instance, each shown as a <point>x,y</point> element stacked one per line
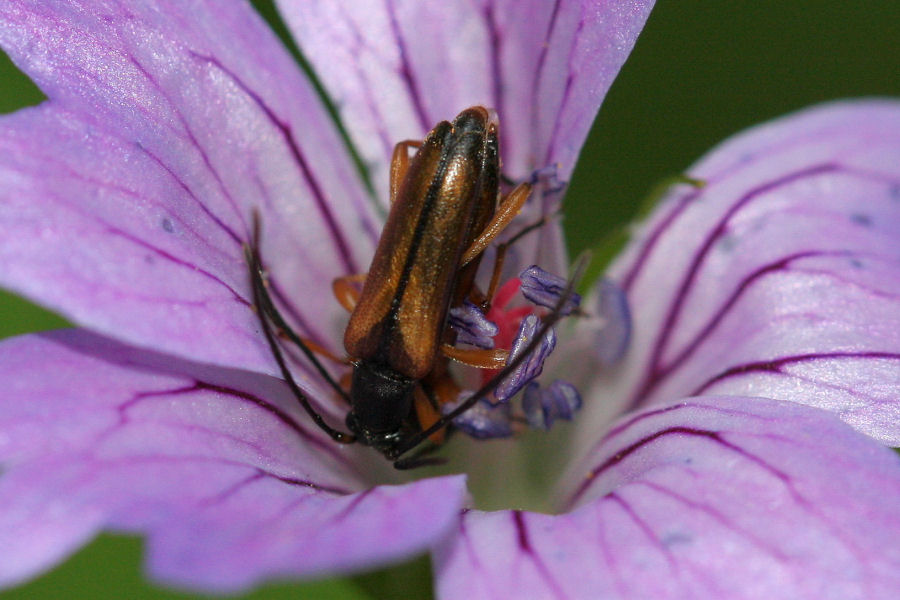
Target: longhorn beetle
<point>444,213</point>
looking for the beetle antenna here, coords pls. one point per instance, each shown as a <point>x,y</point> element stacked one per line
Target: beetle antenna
<point>495,381</point>
<point>271,311</point>
<point>420,458</point>
<point>260,298</point>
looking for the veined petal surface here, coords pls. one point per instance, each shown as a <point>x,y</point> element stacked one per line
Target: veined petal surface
<point>781,276</point>
<point>396,67</point>
<point>714,497</point>
<point>399,66</point>
<point>218,468</point>
<point>131,191</point>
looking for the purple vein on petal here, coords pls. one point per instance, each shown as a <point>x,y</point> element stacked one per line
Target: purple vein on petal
<point>663,371</point>
<point>606,548</point>
<point>540,67</point>
<point>177,261</point>
<point>652,377</point>
<point>715,436</point>
<point>645,529</point>
<point>567,94</point>
<point>308,484</point>
<point>683,204</point>
<point>524,543</point>
<point>287,135</point>
<point>648,414</point>
<point>281,296</point>
<point>774,366</point>
<point>324,445</point>
<point>194,142</point>
<point>467,541</point>
<point>810,507</point>
<point>144,244</point>
<point>676,569</point>
<point>233,489</point>
<point>700,575</point>
<point>80,176</point>
<point>260,474</point>
<point>716,515</point>
<point>541,64</point>
<point>203,206</point>
<point>640,417</point>
<point>406,70</point>
<point>159,458</point>
<point>854,257</point>
<point>354,503</point>
<point>376,117</point>
<point>650,243</point>
<point>496,42</point>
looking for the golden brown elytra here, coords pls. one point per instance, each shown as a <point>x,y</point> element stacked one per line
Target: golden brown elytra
<point>443,200</point>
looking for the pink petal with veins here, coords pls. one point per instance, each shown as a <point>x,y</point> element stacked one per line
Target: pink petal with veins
<point>131,191</point>
<point>714,497</point>
<point>218,468</point>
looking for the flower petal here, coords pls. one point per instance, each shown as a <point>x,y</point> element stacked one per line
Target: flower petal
<point>711,497</point>
<point>394,69</point>
<point>219,468</point>
<point>132,190</point>
<point>614,328</point>
<point>780,277</point>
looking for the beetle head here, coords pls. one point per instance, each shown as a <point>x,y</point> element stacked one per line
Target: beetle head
<point>381,400</point>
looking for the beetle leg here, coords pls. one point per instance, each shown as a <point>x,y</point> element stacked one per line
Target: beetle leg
<point>399,164</point>
<point>500,257</point>
<point>427,413</point>
<point>437,389</point>
<point>477,357</point>
<point>483,300</point>
<point>268,312</point>
<point>506,212</point>
<point>317,348</point>
<point>345,292</point>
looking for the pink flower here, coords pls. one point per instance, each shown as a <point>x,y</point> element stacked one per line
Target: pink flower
<point>739,450</point>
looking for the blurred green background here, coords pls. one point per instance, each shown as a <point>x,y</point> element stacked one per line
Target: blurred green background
<point>701,71</point>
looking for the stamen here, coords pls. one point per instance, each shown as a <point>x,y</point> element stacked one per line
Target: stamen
<point>484,420</point>
<point>472,326</point>
<point>542,406</point>
<point>548,177</point>
<point>615,334</point>
<point>545,289</point>
<point>532,366</point>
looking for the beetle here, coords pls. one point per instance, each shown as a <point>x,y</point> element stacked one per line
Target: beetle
<point>445,210</point>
